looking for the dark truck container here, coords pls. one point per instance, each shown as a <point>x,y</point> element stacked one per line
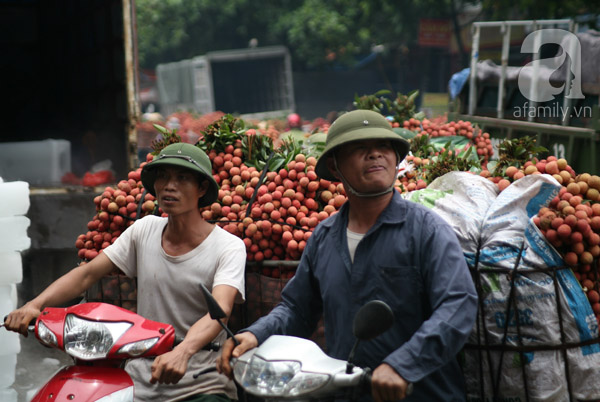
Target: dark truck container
<point>68,72</point>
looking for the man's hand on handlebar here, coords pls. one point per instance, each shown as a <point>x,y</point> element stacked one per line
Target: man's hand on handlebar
<point>170,367</point>
<point>387,384</point>
<point>20,319</point>
<point>247,341</point>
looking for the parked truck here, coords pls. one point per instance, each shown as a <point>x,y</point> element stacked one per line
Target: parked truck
<point>253,82</point>
<point>546,85</point>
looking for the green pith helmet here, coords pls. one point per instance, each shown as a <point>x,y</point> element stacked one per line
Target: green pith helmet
<point>358,125</point>
<point>186,156</point>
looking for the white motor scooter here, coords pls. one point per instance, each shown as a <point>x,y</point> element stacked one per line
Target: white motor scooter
<point>292,368</point>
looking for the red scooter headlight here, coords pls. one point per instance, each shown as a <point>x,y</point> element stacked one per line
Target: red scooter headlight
<point>90,340</point>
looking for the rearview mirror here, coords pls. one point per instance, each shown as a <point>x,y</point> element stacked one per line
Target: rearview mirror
<point>373,319</point>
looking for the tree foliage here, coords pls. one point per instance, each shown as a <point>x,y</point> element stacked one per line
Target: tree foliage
<point>171,30</point>
<point>540,9</point>
<point>319,34</point>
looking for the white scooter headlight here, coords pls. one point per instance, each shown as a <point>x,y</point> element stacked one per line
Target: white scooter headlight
<point>89,340</point>
<point>276,378</point>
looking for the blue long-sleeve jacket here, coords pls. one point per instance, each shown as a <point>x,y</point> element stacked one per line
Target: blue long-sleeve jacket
<point>411,259</point>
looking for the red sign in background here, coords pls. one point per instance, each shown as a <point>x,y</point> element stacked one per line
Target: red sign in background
<point>434,32</point>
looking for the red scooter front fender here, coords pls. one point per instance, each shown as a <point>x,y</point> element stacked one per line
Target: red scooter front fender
<point>86,383</point>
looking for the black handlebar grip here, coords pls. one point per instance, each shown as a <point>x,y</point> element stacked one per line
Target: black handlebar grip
<point>178,340</point>
<point>30,326</point>
<point>212,346</point>
<point>366,381</point>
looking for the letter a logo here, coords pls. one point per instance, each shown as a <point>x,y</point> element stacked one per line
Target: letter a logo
<point>540,89</point>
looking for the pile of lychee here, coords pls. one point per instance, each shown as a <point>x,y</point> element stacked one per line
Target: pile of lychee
<point>571,223</point>
<point>432,128</point>
<point>116,209</point>
<point>274,217</point>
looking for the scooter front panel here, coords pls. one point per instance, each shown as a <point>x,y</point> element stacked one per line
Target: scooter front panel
<point>84,383</point>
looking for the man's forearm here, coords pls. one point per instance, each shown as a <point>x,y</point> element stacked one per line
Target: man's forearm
<point>199,335</point>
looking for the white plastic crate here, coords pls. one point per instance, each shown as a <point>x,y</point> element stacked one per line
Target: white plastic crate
<point>40,163</point>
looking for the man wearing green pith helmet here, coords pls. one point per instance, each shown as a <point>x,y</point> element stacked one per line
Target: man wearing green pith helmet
<point>170,258</point>
<point>378,247</point>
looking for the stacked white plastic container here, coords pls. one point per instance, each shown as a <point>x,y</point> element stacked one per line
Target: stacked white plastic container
<point>14,203</point>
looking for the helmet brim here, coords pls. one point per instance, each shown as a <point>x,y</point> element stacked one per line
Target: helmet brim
<point>149,172</point>
<point>401,146</point>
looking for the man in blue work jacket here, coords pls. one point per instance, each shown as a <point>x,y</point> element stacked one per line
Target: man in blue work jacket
<point>379,246</point>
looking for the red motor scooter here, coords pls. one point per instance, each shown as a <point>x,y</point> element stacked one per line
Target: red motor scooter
<point>100,337</point>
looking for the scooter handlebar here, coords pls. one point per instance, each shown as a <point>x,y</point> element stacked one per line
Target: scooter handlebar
<point>211,346</point>
<point>30,327</point>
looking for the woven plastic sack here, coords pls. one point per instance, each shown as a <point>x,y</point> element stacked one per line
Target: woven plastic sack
<point>535,332</point>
